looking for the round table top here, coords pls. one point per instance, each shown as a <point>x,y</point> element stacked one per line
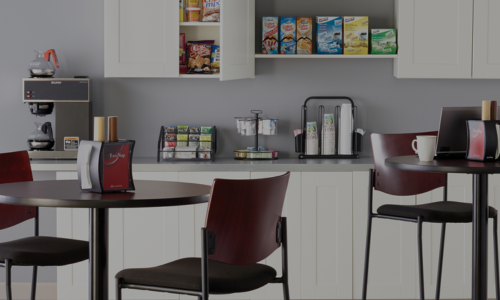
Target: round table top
<point>67,193</point>
<point>412,163</point>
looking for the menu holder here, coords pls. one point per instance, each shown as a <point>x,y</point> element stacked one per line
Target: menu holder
<point>483,140</point>
<point>185,152</point>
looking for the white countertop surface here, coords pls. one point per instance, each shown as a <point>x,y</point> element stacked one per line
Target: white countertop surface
<point>226,165</point>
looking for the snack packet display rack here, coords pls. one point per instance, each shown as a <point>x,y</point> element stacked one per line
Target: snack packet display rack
<point>255,130</point>
<point>173,155</point>
<point>300,140</point>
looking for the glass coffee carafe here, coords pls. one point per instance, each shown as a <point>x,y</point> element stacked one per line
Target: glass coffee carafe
<point>42,138</point>
<point>41,66</point>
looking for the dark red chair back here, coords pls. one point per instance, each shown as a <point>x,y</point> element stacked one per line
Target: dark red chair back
<point>15,167</point>
<point>244,215</point>
<point>398,182</point>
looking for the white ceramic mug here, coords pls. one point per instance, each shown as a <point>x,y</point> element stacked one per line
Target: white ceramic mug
<point>426,145</point>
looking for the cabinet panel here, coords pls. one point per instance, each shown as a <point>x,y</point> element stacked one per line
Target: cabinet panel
<point>486,39</point>
<point>392,269</point>
<point>434,38</point>
<point>326,235</point>
<point>138,35</point>
<point>237,39</point>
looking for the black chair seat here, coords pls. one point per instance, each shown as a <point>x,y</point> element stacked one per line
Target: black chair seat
<point>436,212</point>
<point>186,274</point>
<point>44,251</point>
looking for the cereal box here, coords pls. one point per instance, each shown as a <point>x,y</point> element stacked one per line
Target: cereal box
<point>270,28</point>
<point>384,41</point>
<point>288,35</point>
<point>356,35</point>
<point>329,35</point>
<point>304,35</point>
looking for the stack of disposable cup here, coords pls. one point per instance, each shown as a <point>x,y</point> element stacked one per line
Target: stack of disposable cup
<point>312,142</point>
<point>328,135</point>
<point>346,130</point>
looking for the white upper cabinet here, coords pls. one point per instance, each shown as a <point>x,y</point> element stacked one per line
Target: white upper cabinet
<point>435,38</point>
<point>141,38</point>
<point>237,39</point>
<point>486,39</point>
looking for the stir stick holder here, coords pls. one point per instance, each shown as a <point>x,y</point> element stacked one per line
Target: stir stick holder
<point>301,140</point>
<point>251,128</point>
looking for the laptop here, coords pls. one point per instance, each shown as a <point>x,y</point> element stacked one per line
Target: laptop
<point>452,136</point>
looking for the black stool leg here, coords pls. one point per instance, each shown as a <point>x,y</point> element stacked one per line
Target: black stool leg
<point>118,289</point>
<point>286,292</point>
<point>8,286</point>
<point>367,256</point>
<point>420,259</point>
<point>33,283</point>
<point>440,265</point>
<point>495,245</point>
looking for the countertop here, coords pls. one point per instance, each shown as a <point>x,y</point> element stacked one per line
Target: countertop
<point>226,165</point>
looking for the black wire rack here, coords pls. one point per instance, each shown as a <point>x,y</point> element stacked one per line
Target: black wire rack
<point>161,146</point>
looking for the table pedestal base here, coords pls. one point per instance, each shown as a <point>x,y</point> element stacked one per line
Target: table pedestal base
<point>480,238</point>
<point>98,260</point>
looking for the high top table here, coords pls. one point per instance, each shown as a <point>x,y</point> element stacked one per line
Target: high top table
<point>480,171</point>
<point>67,193</point>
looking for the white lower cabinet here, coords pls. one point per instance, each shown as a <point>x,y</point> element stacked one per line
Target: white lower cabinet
<point>327,214</point>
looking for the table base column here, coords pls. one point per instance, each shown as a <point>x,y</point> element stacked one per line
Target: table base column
<point>480,238</point>
<point>98,260</point>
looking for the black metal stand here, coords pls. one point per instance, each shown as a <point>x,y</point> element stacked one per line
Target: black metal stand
<point>480,238</point>
<point>161,143</point>
<point>302,151</point>
<point>98,254</point>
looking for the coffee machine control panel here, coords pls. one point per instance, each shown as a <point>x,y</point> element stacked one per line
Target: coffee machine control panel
<point>56,90</point>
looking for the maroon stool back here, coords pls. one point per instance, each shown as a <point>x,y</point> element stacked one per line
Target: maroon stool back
<point>244,215</point>
<point>15,167</point>
<point>398,182</point>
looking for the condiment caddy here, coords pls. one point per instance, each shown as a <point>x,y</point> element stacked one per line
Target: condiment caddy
<point>181,143</point>
<point>255,126</point>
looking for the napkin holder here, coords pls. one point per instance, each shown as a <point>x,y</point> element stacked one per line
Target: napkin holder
<point>483,140</point>
<point>105,167</point>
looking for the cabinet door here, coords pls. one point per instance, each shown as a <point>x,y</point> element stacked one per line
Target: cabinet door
<point>486,39</point>
<point>434,38</point>
<point>326,235</point>
<point>237,39</point>
<point>393,252</point>
<point>141,38</point>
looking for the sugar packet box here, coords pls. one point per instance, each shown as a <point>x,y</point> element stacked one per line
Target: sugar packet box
<point>288,35</point>
<point>384,41</point>
<point>270,27</point>
<point>356,35</point>
<point>329,35</point>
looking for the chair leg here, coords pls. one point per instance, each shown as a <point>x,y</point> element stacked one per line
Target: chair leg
<point>286,291</point>
<point>118,289</point>
<point>495,245</point>
<point>420,259</point>
<point>440,264</point>
<point>33,283</point>
<point>8,286</point>
<point>367,257</point>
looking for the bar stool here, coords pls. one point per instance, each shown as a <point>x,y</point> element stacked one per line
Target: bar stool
<point>405,183</point>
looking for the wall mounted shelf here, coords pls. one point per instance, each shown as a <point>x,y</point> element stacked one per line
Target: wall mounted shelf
<point>198,76</point>
<point>207,24</point>
<point>323,56</point>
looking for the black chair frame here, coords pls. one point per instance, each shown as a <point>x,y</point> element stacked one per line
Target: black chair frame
<point>204,293</point>
<point>7,264</point>
<point>419,222</point>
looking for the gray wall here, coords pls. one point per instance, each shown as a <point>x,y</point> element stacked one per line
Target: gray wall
<point>76,30</point>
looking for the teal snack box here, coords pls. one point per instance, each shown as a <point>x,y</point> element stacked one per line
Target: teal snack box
<point>288,35</point>
<point>384,41</point>
<point>329,35</point>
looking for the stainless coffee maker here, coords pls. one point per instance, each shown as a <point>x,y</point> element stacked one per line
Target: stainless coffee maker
<point>69,100</point>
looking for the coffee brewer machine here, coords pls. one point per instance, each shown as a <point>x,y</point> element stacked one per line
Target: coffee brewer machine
<point>69,100</point>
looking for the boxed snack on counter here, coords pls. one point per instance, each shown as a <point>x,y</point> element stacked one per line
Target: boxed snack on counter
<point>199,58</point>
<point>329,35</point>
<point>270,35</point>
<point>384,41</point>
<point>288,35</point>
<point>304,35</point>
<point>215,59</point>
<point>211,10</point>
<point>355,35</point>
